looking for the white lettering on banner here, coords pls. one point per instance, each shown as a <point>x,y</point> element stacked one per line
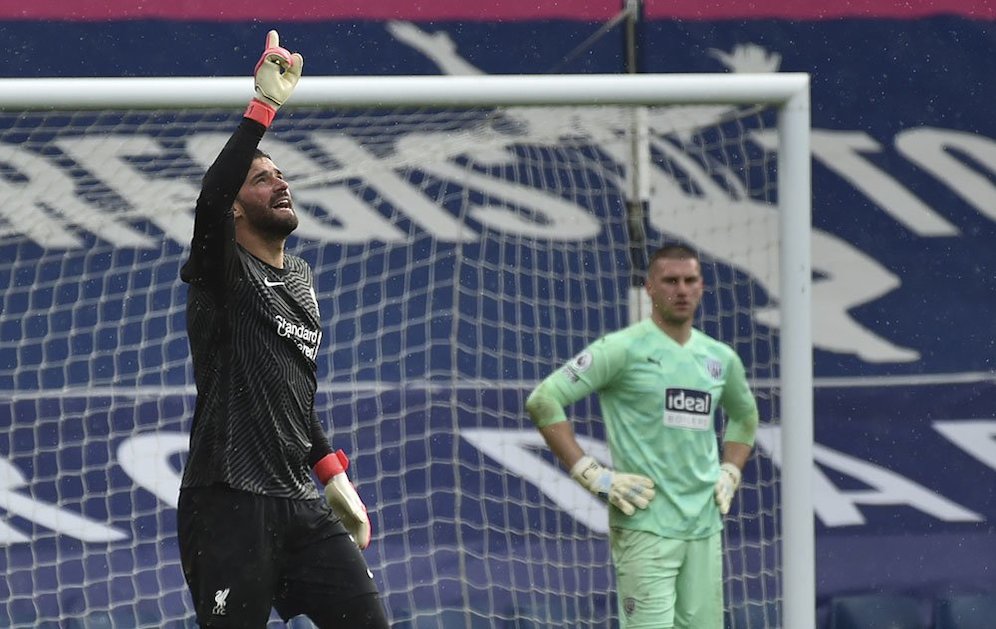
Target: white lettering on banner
<point>937,150</point>
<point>146,459</point>
<point>348,219</point>
<point>357,221</point>
<point>518,451</point>
<point>167,202</point>
<point>45,207</point>
<point>355,194</point>
<point>977,437</point>
<point>839,263</point>
<point>836,507</point>
<point>742,232</point>
<point>437,46</point>
<point>842,152</point>
<point>352,162</point>
<point>61,521</point>
<point>847,278</point>
<point>164,201</point>
<point>555,218</point>
<point>381,173</point>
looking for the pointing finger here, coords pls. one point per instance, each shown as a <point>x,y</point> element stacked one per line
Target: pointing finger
<point>272,39</point>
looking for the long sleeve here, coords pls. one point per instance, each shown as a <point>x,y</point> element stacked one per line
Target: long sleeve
<point>214,228</point>
<point>320,447</point>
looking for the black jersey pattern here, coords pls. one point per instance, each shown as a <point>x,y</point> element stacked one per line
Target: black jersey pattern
<point>254,334</point>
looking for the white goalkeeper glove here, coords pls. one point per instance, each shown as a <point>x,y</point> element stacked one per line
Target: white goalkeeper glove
<point>277,73</point>
<point>628,492</point>
<point>340,494</point>
<point>726,486</point>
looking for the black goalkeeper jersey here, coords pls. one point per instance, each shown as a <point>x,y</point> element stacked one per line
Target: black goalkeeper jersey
<point>254,334</point>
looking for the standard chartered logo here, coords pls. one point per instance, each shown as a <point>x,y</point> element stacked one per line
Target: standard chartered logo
<point>294,330</point>
<point>306,339</point>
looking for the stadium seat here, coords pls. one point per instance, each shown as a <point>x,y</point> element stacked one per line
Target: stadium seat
<point>876,611</point>
<point>965,611</point>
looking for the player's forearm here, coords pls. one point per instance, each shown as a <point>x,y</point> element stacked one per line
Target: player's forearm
<point>320,447</point>
<point>225,176</point>
<point>562,442</point>
<point>214,229</point>
<point>546,410</point>
<point>736,453</point>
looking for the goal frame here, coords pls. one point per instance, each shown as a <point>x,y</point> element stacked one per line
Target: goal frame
<point>788,93</point>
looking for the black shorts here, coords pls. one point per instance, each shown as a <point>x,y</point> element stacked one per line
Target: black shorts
<point>244,553</point>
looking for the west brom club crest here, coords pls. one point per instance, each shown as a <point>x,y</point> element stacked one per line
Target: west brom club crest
<point>714,367</point>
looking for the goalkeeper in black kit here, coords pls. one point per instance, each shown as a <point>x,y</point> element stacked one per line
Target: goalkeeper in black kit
<point>254,531</point>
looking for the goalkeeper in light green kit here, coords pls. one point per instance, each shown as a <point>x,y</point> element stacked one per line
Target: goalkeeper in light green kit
<point>659,382</point>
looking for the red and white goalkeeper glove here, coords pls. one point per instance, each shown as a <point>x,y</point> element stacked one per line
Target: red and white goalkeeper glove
<point>277,73</point>
<point>340,494</point>
<point>726,486</point>
<point>628,492</point>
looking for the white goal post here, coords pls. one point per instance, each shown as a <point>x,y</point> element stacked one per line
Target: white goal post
<point>787,96</point>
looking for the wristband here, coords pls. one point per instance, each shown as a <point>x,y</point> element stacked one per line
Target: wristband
<point>331,465</point>
<point>261,112</point>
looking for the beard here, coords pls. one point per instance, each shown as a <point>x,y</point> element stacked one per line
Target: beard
<point>272,223</point>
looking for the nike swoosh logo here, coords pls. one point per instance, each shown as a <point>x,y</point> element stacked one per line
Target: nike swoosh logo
<point>267,282</point>
<point>655,361</point>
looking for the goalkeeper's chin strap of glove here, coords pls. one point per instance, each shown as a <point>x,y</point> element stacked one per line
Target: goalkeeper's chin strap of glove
<point>726,486</point>
<point>276,75</point>
<point>628,492</point>
<point>342,497</point>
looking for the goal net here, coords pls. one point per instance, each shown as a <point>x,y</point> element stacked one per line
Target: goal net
<point>462,251</point>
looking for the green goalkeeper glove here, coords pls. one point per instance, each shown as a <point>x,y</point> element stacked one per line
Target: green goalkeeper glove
<point>726,486</point>
<point>340,494</point>
<point>277,73</point>
<point>628,492</point>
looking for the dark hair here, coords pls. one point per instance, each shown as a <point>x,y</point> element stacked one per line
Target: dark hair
<point>256,154</point>
<point>673,252</point>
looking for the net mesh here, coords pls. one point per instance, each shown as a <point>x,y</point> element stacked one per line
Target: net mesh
<point>460,256</point>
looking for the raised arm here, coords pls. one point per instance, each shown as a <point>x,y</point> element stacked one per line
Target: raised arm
<point>276,74</point>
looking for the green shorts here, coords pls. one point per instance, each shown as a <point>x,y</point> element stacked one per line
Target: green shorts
<point>666,583</point>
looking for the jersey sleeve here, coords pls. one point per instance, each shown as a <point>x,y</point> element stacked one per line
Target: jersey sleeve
<point>319,442</point>
<point>214,228</point>
<point>739,404</point>
<point>594,369</point>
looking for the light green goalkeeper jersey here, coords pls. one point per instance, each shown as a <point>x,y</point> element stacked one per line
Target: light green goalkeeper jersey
<point>658,401</point>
